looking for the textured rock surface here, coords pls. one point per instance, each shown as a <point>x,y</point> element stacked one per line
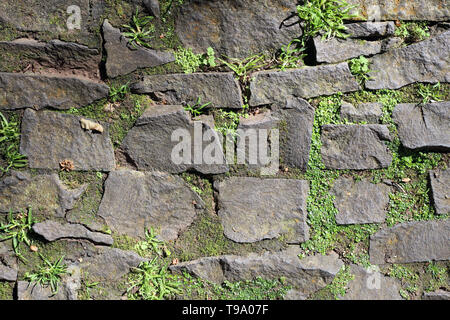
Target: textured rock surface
<point>355,147</point>
<point>369,284</point>
<point>337,50</point>
<point>150,145</point>
<point>437,295</point>
<point>269,87</point>
<point>249,210</point>
<point>154,199</point>
<point>440,188</point>
<point>122,58</point>
<point>306,275</point>
<point>50,137</point>
<point>370,29</point>
<point>295,132</point>
<point>7,273</point>
<point>417,241</point>
<point>43,192</point>
<point>360,202</point>
<point>221,89</point>
<point>237,28</point>
<point>368,112</point>
<point>52,231</point>
<point>426,61</point>
<point>18,91</point>
<point>8,263</point>
<point>424,127</point>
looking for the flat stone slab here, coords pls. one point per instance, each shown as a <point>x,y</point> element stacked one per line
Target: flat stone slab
<point>8,263</point>
<point>51,137</point>
<point>236,29</point>
<point>250,211</point>
<point>369,284</point>
<point>52,231</point>
<point>368,112</point>
<point>425,61</point>
<point>7,273</point>
<point>221,89</point>
<point>156,141</point>
<point>440,186</point>
<point>307,275</point>
<point>122,58</point>
<point>424,127</point>
<point>416,241</point>
<point>370,29</point>
<point>356,147</point>
<point>336,50</point>
<point>436,295</point>
<point>360,202</point>
<point>19,91</point>
<point>44,192</point>
<point>153,199</point>
<point>269,87</point>
<point>418,10</point>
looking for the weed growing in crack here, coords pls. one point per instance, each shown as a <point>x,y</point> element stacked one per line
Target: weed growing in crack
<point>359,67</point>
<point>16,229</point>
<point>412,31</point>
<point>243,67</point>
<point>138,31</point>
<point>48,274</point>
<point>9,145</point>
<point>191,62</point>
<point>198,108</point>
<point>291,55</point>
<point>430,93</point>
<point>119,93</point>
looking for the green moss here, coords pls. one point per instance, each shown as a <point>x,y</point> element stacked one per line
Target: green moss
<point>6,290</point>
<point>337,288</point>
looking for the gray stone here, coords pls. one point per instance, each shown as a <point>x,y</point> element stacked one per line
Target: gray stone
<point>153,7</point>
<point>7,273</point>
<point>306,275</point>
<point>440,186</point>
<point>51,137</point>
<point>437,295</point>
<point>19,91</point>
<point>153,199</point>
<point>360,202</point>
<point>370,29</point>
<point>8,263</point>
<point>424,127</point>
<point>368,112</point>
<point>150,145</point>
<point>425,61</point>
<point>416,241</point>
<point>370,284</point>
<point>250,211</point>
<point>269,87</point>
<point>356,147</point>
<point>221,89</point>
<point>418,10</point>
<point>238,28</point>
<point>293,294</point>
<point>296,132</point>
<point>43,192</point>
<point>67,289</point>
<point>123,58</point>
<point>52,231</point>
<point>336,50</point>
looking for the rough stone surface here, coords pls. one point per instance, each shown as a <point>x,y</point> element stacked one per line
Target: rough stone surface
<point>67,289</point>
<point>419,10</point>
<point>154,199</point>
<point>269,87</point>
<point>356,147</point>
<point>219,88</point>
<point>336,50</point>
<point>426,61</point>
<point>52,231</point>
<point>370,29</point>
<point>19,91</point>
<point>250,211</point>
<point>440,186</point>
<point>150,145</point>
<point>360,202</point>
<point>51,137</point>
<point>368,112</point>
<point>43,192</point>
<point>424,127</point>
<point>371,285</point>
<point>123,58</point>
<point>8,263</point>
<point>296,132</point>
<point>437,295</point>
<point>416,241</point>
<point>153,7</point>
<point>306,275</point>
<point>238,28</point>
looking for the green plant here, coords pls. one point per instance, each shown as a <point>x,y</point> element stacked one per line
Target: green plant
<point>359,67</point>
<point>9,145</point>
<point>190,62</point>
<point>291,55</point>
<point>197,108</point>
<point>151,242</point>
<point>209,59</point>
<point>17,230</point>
<point>227,122</point>
<point>430,93</point>
<point>138,33</point>
<point>413,31</point>
<point>324,16</point>
<point>119,93</point>
<point>48,273</point>
<point>242,67</point>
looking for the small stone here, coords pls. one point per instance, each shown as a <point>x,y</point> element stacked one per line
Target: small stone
<point>440,182</point>
<point>7,274</point>
<point>368,112</point>
<point>34,248</point>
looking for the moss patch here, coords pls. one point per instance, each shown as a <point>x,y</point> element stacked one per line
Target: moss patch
<point>6,290</point>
